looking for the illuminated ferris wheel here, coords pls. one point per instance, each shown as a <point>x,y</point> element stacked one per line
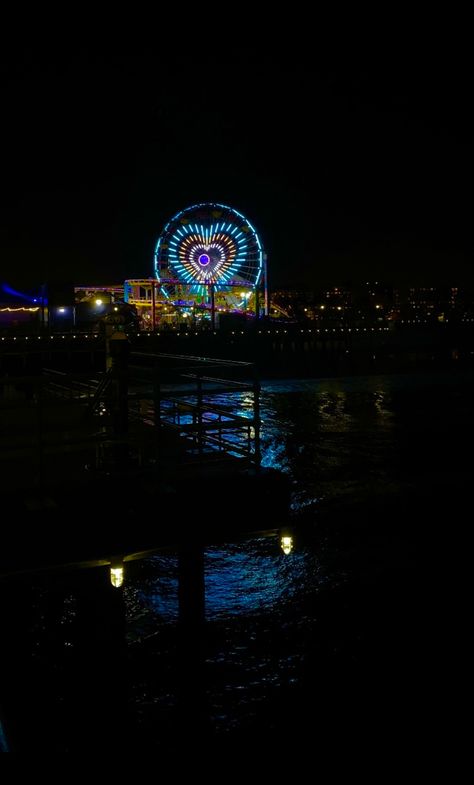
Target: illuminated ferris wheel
<point>208,248</point>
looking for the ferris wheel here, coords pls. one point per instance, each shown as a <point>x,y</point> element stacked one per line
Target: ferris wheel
<point>208,246</point>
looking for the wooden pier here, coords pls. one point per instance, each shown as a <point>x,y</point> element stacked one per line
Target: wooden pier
<point>158,452</point>
<point>137,457</point>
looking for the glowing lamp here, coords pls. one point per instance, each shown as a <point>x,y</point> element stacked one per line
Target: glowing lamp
<point>116,575</point>
<point>286,543</point>
<point>98,301</point>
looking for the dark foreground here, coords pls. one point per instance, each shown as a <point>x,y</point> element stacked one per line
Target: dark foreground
<point>377,650</point>
<point>365,648</point>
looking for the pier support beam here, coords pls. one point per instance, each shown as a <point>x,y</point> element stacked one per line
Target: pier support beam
<point>191,635</point>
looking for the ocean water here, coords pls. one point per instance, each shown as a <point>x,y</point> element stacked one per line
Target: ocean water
<point>377,467</point>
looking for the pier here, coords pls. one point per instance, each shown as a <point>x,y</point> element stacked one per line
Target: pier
<point>155,439</point>
<point>101,471</point>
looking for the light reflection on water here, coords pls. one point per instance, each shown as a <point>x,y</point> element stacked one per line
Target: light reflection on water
<point>248,577</point>
<point>337,440</point>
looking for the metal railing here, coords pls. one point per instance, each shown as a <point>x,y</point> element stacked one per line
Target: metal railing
<point>200,399</point>
<point>165,409</point>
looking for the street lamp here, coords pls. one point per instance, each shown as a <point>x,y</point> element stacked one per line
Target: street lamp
<point>116,573</point>
<point>286,543</point>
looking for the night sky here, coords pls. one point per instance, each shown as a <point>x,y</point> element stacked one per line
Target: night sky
<point>352,164</point>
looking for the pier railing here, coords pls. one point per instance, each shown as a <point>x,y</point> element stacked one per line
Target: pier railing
<point>212,404</point>
<point>153,408</point>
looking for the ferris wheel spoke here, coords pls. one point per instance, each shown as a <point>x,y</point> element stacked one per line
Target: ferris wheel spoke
<point>209,247</point>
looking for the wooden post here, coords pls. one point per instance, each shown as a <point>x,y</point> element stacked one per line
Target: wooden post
<point>199,413</point>
<point>156,396</point>
<point>256,415</point>
<point>99,691</point>
<point>119,347</point>
<point>191,593</point>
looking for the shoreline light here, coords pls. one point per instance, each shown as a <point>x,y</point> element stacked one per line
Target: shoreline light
<point>287,545</point>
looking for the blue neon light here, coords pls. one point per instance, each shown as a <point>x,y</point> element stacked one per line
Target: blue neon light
<point>209,252</point>
<point>22,295</point>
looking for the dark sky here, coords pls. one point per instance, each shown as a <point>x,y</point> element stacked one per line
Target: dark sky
<point>351,164</point>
